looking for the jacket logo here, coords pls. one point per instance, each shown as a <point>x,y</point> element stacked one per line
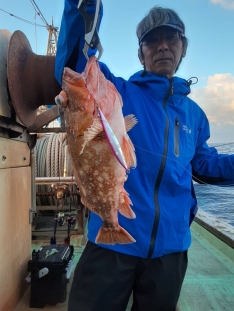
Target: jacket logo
<point>186,129</point>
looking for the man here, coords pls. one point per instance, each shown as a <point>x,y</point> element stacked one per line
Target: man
<point>170,142</point>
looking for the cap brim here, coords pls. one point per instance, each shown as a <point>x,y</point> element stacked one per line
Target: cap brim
<point>177,27</point>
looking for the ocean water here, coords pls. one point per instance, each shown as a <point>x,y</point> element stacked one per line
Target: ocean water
<point>216,200</point>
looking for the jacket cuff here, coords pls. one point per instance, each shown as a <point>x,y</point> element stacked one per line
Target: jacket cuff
<point>232,159</point>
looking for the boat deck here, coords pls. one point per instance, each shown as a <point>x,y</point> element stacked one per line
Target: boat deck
<point>209,282</point>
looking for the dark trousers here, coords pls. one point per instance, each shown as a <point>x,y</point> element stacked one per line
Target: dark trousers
<point>104,280</point>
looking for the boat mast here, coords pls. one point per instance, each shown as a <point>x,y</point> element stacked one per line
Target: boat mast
<point>52,39</point>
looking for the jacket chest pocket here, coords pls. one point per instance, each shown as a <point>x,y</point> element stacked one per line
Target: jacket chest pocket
<point>176,136</point>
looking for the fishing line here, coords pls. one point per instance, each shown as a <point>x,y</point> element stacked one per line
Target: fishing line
<point>200,181</point>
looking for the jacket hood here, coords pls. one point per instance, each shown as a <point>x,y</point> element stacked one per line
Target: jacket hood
<point>147,79</point>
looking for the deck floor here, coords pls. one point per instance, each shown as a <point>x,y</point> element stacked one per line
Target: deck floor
<point>209,282</point>
<point>208,285</point>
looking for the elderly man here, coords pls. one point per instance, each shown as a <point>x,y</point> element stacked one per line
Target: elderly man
<point>170,142</point>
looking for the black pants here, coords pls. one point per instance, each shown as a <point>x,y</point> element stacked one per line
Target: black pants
<point>103,281</point>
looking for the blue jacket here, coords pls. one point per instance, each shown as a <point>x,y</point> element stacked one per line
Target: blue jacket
<point>170,143</point>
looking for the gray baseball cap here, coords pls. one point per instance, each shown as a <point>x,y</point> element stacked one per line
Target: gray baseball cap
<point>158,17</point>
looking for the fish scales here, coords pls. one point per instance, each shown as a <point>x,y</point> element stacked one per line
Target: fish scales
<point>99,175</point>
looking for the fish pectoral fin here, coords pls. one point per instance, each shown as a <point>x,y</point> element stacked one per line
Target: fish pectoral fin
<point>94,130</point>
<point>130,121</point>
<point>129,152</point>
<point>124,206</point>
<point>110,235</point>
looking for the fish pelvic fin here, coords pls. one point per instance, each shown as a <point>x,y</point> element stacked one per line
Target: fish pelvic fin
<point>130,121</point>
<point>113,235</point>
<point>129,152</point>
<point>94,130</point>
<point>124,206</point>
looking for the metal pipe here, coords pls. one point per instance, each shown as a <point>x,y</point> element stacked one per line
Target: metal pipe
<point>52,193</point>
<point>65,170</point>
<point>33,186</point>
<point>33,208</point>
<point>51,180</point>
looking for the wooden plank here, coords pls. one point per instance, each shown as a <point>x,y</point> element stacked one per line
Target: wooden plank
<point>13,153</point>
<point>15,234</point>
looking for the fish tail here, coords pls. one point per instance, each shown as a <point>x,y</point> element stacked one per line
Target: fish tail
<point>128,151</point>
<point>110,235</point>
<point>124,206</point>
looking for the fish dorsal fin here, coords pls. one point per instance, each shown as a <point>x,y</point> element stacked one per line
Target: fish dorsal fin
<point>130,121</point>
<point>129,151</point>
<point>94,130</point>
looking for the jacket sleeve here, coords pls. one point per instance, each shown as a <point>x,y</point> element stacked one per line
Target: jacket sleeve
<point>71,39</point>
<point>208,165</point>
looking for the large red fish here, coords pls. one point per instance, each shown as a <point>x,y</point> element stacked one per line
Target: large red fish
<point>99,175</point>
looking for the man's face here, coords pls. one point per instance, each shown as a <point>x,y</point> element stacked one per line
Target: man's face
<point>162,56</point>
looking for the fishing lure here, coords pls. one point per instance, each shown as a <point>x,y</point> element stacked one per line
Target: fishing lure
<point>112,140</point>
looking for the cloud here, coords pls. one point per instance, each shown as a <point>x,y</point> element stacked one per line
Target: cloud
<point>217,101</point>
<point>227,4</point>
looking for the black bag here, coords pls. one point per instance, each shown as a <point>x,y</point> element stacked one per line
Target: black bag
<point>50,274</point>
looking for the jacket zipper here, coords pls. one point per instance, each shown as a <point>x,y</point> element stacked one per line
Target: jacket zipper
<point>177,137</point>
<point>160,174</point>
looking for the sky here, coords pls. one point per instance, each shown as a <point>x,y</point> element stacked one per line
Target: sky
<point>210,54</point>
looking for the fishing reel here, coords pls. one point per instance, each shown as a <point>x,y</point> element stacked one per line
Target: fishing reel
<point>60,218</point>
<point>71,220</point>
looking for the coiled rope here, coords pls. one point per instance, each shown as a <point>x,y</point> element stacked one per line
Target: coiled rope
<point>51,160</point>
